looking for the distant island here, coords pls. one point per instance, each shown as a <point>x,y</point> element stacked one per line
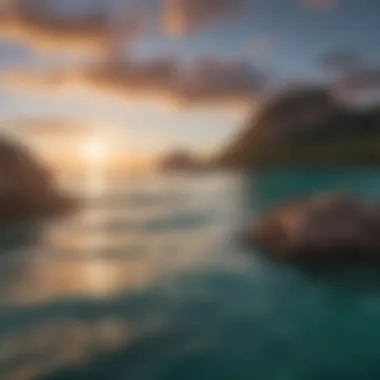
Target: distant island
<point>182,160</point>
<point>27,188</point>
<point>306,127</point>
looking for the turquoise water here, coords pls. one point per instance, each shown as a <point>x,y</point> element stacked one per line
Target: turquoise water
<point>150,282</point>
<point>278,186</point>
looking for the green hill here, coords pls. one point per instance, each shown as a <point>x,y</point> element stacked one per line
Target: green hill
<point>306,127</point>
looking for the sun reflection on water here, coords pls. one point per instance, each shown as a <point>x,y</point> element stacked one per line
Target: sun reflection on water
<point>127,240</point>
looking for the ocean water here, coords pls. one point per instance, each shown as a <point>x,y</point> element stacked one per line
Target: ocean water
<point>149,281</point>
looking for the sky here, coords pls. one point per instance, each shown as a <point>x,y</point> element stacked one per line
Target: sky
<point>168,74</point>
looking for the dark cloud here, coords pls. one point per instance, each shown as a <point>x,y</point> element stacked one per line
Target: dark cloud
<point>351,71</point>
<point>183,16</point>
<point>204,81</point>
<point>44,25</point>
<point>362,79</point>
<point>359,87</point>
<point>210,79</point>
<point>341,61</point>
<point>130,76</point>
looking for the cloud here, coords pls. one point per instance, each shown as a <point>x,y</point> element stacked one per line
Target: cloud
<point>352,72</point>
<point>341,61</point>
<point>212,79</point>
<point>39,23</point>
<point>45,25</point>
<point>359,87</point>
<point>184,16</point>
<point>362,79</point>
<point>206,81</point>
<point>48,127</point>
<point>320,5</point>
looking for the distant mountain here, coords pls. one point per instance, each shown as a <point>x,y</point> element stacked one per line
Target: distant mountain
<point>306,126</point>
<point>181,160</point>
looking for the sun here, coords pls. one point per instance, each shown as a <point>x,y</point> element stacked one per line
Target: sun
<point>96,154</point>
<point>96,151</point>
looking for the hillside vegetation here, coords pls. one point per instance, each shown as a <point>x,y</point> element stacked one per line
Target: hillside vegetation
<point>306,127</point>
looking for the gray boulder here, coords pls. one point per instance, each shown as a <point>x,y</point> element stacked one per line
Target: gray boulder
<point>332,228</point>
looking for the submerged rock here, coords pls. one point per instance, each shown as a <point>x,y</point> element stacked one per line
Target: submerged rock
<point>27,188</point>
<point>333,228</point>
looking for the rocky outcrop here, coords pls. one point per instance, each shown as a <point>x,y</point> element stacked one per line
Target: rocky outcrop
<point>27,188</point>
<point>327,229</point>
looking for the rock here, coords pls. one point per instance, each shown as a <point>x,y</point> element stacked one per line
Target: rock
<point>27,188</point>
<point>334,228</point>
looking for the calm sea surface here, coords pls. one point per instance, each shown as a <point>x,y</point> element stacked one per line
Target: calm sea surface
<point>148,281</point>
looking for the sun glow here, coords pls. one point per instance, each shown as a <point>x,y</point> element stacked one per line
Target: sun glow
<point>96,154</point>
<point>96,151</point>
